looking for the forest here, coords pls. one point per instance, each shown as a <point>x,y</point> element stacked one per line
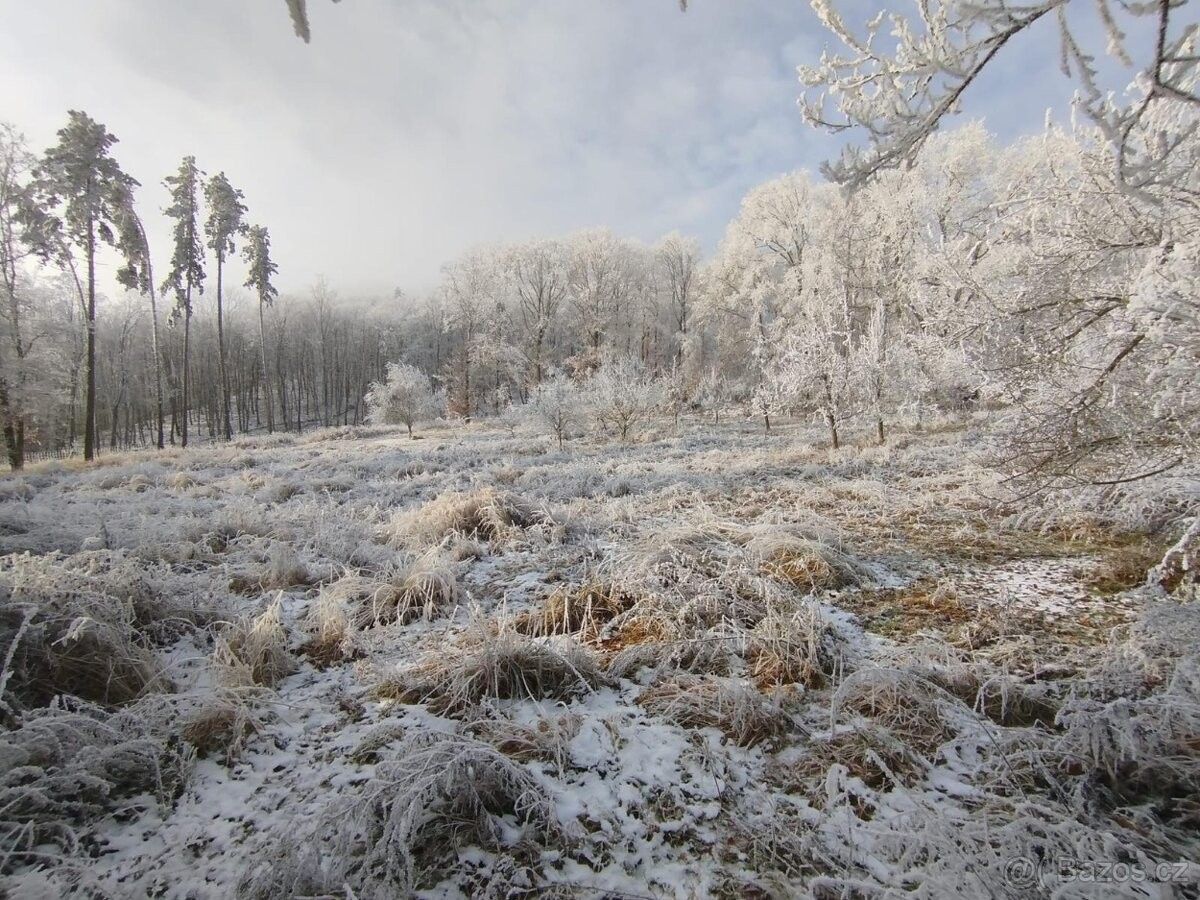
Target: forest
<point>853,557</point>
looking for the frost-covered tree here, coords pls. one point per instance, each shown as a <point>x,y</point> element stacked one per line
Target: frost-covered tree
<point>138,275</point>
<point>186,273</point>
<point>600,270</point>
<point>537,273</point>
<point>556,405</point>
<point>16,342</point>
<point>622,395</point>
<point>677,261</point>
<point>405,397</point>
<point>225,222</point>
<point>257,254</point>
<point>470,284</point>
<point>901,75</point>
<point>78,194</point>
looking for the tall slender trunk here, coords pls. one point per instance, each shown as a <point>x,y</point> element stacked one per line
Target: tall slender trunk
<point>158,360</point>
<point>89,425</point>
<point>222,369</point>
<point>16,452</point>
<point>266,373</point>
<point>187,363</point>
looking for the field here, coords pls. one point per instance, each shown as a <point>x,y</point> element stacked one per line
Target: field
<point>714,662</point>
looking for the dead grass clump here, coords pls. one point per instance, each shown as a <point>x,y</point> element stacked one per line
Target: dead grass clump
<point>485,514</point>
<point>733,707</point>
<point>1125,566</point>
<point>223,723</point>
<point>439,794</point>
<point>255,651</point>
<point>284,570</point>
<point>545,740</point>
<point>505,666</point>
<point>582,610</point>
<point>908,705</point>
<point>924,605</point>
<point>332,637</point>
<point>423,589</point>
<point>87,634</point>
<point>66,767</point>
<point>794,647</point>
<point>807,563</point>
<point>870,752</point>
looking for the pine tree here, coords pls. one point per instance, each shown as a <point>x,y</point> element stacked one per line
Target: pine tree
<point>257,253</point>
<point>138,274</point>
<point>187,260</point>
<point>225,212</point>
<point>79,194</point>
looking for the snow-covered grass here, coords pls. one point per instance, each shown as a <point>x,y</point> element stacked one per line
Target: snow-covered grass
<point>714,663</point>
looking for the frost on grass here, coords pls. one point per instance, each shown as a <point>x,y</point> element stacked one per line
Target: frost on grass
<point>404,827</point>
<point>66,766</point>
<point>735,708</point>
<point>494,666</point>
<point>486,514</point>
<point>254,650</point>
<point>86,632</point>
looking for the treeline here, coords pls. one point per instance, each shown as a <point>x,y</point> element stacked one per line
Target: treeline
<point>1029,279</point>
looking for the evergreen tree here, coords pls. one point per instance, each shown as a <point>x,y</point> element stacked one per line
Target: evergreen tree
<point>257,253</point>
<point>225,212</point>
<point>138,274</point>
<point>79,194</point>
<point>187,261</point>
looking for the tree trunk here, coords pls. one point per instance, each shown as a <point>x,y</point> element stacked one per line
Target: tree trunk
<point>223,371</point>
<point>89,425</point>
<point>187,365</point>
<point>15,450</point>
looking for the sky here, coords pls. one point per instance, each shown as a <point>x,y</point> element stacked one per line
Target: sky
<point>411,130</point>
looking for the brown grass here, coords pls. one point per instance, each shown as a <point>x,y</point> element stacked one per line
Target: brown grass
<point>735,708</point>
<point>582,610</point>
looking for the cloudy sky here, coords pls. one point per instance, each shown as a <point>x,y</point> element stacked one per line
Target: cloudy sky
<point>409,130</point>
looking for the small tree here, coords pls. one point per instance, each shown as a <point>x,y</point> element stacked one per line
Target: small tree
<point>404,398</point>
<point>257,253</point>
<point>555,404</point>
<point>621,395</point>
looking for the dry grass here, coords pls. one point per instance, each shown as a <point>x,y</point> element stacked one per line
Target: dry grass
<point>545,740</point>
<point>332,636</point>
<point>223,723</point>
<point>86,630</point>
<point>486,514</point>
<point>494,666</point>
<point>733,707</point>
<point>583,611</point>
<point>794,647</point>
<point>910,706</point>
<point>423,589</point>
<point>870,752</point>
<point>254,651</point>
<point>284,570</point>
<point>437,794</point>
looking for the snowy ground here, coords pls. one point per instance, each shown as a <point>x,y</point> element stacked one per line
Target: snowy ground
<point>716,663</point>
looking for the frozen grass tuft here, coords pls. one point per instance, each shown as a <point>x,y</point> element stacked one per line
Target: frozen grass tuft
<point>436,798</point>
<point>489,667</point>
<point>425,588</point>
<point>254,651</point>
<point>487,514</point>
<point>67,766</point>
<point>732,706</point>
<point>582,610</point>
<point>84,632</point>
<point>332,638</point>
